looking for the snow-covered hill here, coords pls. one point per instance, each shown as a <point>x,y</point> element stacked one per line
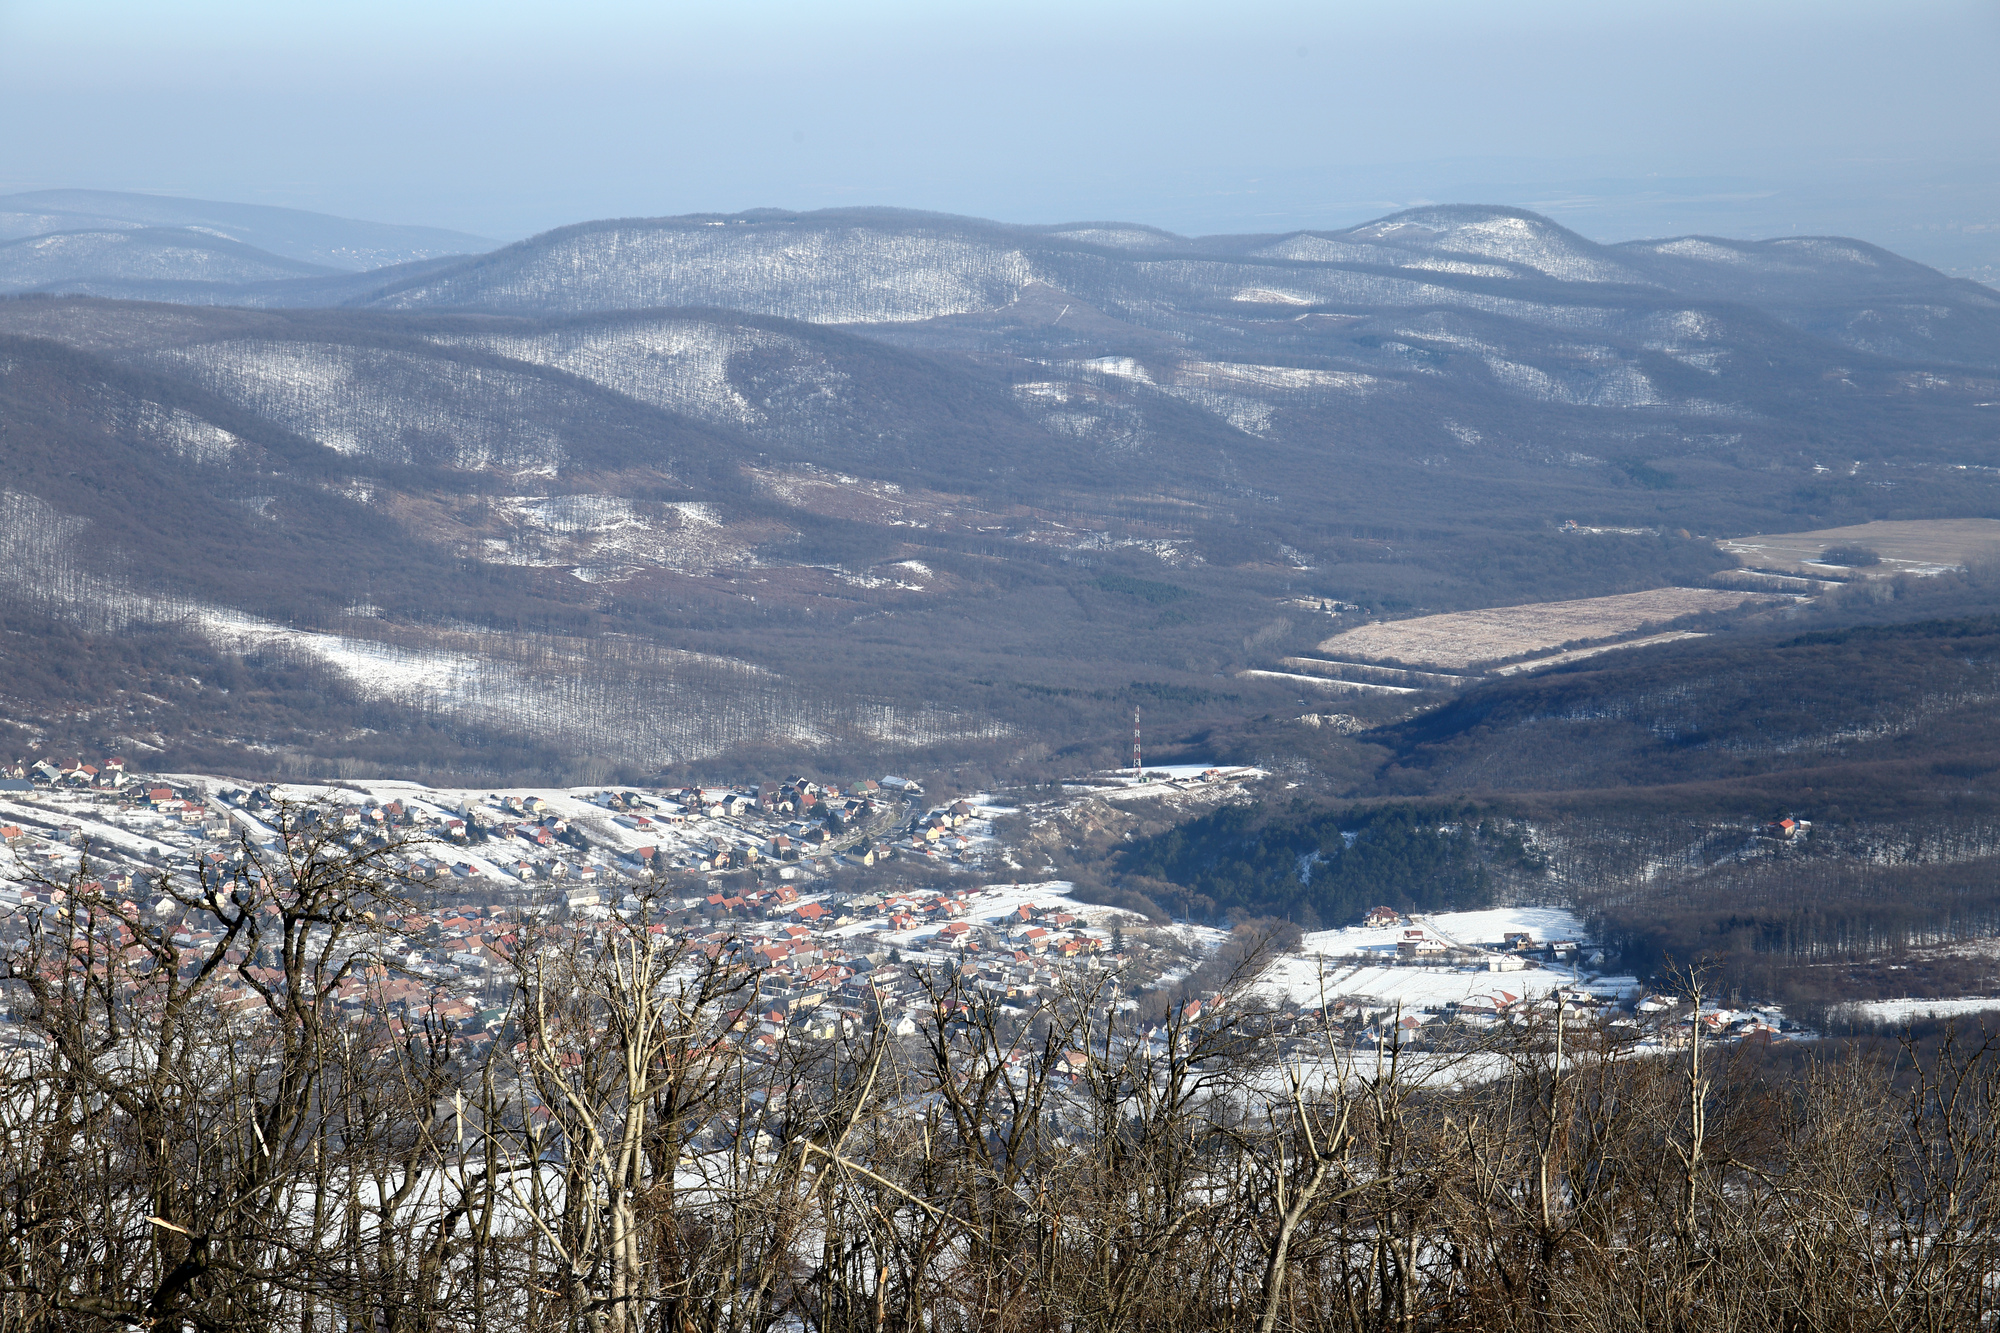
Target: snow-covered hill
<point>315,239</point>
<point>79,259</point>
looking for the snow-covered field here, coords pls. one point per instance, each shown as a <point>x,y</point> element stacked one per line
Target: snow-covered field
<point>1906,546</point>
<point>1358,963</point>
<point>1313,981</point>
<point>1468,928</point>
<point>1166,780</point>
<point>1904,1011</point>
<point>994,903</point>
<point>1460,639</point>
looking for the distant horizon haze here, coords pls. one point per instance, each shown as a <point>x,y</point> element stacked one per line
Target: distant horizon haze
<point>507,120</point>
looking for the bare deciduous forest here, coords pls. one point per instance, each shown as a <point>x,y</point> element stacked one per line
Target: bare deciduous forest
<point>616,1150</point>
<point>688,500</point>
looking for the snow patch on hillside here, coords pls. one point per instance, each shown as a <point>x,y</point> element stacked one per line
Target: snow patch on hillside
<point>1243,395</point>
<point>631,702</point>
<point>1272,296</point>
<point>380,404</point>
<point>1229,374</point>
<point>1615,386</point>
<point>1123,367</point>
<point>681,365</point>
<point>1531,243</point>
<point>1124,238</point>
<point>1908,1011</point>
<point>1713,252</point>
<point>824,274</point>
<point>1252,416</point>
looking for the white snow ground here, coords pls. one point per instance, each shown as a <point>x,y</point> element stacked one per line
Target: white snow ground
<point>1904,1011</point>
<point>1356,963</point>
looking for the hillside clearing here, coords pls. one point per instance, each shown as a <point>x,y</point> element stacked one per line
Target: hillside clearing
<point>1907,546</point>
<point>1471,638</point>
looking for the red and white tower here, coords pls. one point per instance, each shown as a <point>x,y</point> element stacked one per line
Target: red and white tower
<point>1135,741</point>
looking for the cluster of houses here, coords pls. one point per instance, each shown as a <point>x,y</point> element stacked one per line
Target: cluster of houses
<point>781,829</point>
<point>73,775</point>
<point>523,840</point>
<point>1518,949</point>
<point>825,962</point>
<point>819,977</point>
<point>1658,1020</point>
<point>478,869</point>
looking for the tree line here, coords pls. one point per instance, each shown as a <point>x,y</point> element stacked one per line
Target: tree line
<point>1326,867</point>
<point>213,1120</point>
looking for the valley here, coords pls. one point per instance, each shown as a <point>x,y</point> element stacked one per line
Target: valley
<point>930,489</point>
<point>856,669</point>
<point>662,504</point>
<point>840,898</point>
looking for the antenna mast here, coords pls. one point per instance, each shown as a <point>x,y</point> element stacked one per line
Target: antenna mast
<point>1135,741</point>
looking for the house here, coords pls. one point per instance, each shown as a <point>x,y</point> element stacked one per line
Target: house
<point>1517,940</point>
<point>1785,830</point>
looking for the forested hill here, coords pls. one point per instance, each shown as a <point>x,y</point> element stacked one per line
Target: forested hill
<point>1639,791</point>
<point>1713,709</point>
<point>1328,867</point>
<point>676,492</point>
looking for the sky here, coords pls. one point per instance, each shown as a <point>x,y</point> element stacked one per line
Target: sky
<point>501,118</point>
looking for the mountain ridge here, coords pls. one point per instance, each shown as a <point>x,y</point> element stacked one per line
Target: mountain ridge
<point>647,492</point>
<point>348,244</point>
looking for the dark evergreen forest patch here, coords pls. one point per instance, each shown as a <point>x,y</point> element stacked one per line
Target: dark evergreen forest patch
<point>1327,868</point>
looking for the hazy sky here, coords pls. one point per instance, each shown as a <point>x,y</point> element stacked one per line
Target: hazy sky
<point>504,118</point>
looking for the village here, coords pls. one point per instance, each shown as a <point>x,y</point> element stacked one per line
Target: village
<point>850,903</point>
